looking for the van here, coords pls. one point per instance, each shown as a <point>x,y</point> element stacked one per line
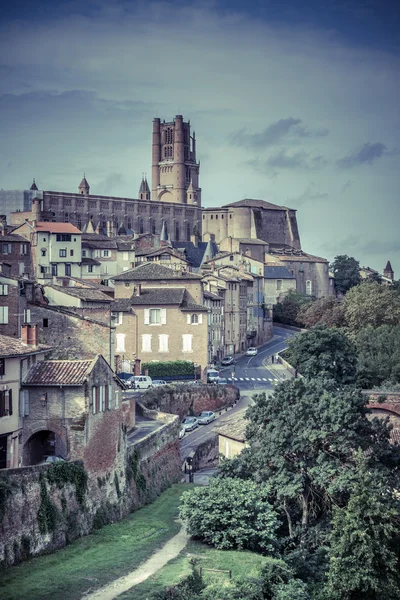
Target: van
<point>140,382</point>
<point>212,376</point>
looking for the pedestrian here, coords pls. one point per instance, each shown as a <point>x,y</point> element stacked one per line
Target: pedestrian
<point>272,359</point>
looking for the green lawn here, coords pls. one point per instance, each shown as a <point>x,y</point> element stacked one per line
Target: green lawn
<point>97,559</point>
<point>242,564</point>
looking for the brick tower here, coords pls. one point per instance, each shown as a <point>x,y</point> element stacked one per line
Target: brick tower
<point>174,165</point>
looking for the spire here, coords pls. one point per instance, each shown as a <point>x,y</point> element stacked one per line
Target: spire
<point>144,190</point>
<point>164,233</point>
<point>89,227</point>
<point>34,186</point>
<point>84,186</point>
<point>388,271</point>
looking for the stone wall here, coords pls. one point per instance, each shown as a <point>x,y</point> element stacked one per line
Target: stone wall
<point>136,476</point>
<point>185,400</point>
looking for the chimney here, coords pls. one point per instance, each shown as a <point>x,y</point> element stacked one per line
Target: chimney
<point>29,335</point>
<point>194,240</point>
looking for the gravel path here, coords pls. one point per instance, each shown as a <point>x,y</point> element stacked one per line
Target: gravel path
<point>160,558</point>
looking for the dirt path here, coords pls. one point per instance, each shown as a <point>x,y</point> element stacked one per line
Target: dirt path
<point>160,558</point>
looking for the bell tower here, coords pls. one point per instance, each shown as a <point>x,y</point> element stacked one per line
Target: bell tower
<point>174,165</point>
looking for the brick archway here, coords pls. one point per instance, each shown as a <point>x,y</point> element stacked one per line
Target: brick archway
<point>42,443</point>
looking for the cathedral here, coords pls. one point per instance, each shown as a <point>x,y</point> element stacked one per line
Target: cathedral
<point>173,206</point>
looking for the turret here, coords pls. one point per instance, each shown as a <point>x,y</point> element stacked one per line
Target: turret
<point>144,190</point>
<point>156,157</point>
<point>33,186</point>
<point>84,187</point>
<point>191,194</point>
<point>388,271</point>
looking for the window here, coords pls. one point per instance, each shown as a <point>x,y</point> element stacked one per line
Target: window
<point>24,249</point>
<point>231,257</point>
<point>90,268</point>
<point>155,316</point>
<point>66,218</point>
<point>146,342</point>
<point>187,342</point>
<point>27,316</point>
<point>45,322</point>
<point>3,315</point>
<point>6,403</point>
<point>67,270</point>
<point>120,342</point>
<point>118,318</point>
<point>54,270</point>
<point>163,343</point>
<point>125,256</point>
<point>168,135</point>
<point>71,252</point>
<point>2,366</point>
<point>43,251</point>
<point>106,253</point>
<point>279,284</point>
<point>63,253</point>
<point>24,403</point>
<point>194,319</point>
<point>83,253</point>
<point>309,287</point>
<point>167,151</point>
<point>7,249</point>
<point>63,237</point>
<point>4,289</point>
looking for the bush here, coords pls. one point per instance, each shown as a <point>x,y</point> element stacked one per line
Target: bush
<point>173,368</point>
<point>231,513</point>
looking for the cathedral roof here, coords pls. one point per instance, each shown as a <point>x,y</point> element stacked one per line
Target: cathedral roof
<point>388,266</point>
<point>256,204</point>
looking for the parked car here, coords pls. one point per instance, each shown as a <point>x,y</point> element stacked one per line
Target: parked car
<point>228,360</point>
<point>251,351</point>
<point>140,382</point>
<point>182,432</point>
<point>52,459</point>
<point>158,382</point>
<point>206,417</point>
<point>222,381</point>
<point>190,423</point>
<point>212,376</point>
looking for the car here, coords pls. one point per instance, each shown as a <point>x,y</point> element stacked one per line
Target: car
<point>228,360</point>
<point>182,432</point>
<point>251,351</point>
<point>158,382</point>
<point>52,459</point>
<point>206,417</point>
<point>222,381</point>
<point>140,382</point>
<point>212,376</point>
<point>190,423</point>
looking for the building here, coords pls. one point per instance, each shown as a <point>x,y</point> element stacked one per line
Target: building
<point>14,309</point>
<point>56,248</point>
<point>16,357</point>
<point>232,436</point>
<point>74,412</point>
<point>99,257</point>
<point>216,323</point>
<point>278,281</point>
<point>159,315</point>
<point>15,255</point>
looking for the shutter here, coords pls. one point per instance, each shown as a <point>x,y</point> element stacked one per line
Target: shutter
<point>94,400</point>
<point>146,316</point>
<point>163,316</point>
<point>2,404</point>
<point>5,308</point>
<point>5,289</point>
<point>110,396</point>
<point>200,319</point>
<point>116,398</point>
<point>106,399</point>
<point>10,406</point>
<point>188,319</point>
<point>26,403</point>
<point>97,399</point>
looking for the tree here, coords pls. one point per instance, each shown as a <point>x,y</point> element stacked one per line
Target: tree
<point>327,311</point>
<point>287,310</point>
<point>371,304</point>
<point>363,561</point>
<point>346,271</point>
<point>323,351</point>
<point>378,356</point>
<point>231,513</point>
<point>303,440</point>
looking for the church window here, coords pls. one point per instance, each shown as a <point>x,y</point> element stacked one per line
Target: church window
<point>186,150</point>
<point>309,287</point>
<point>141,230</point>
<point>188,232</point>
<point>177,232</point>
<point>168,135</point>
<point>168,151</point>
<point>188,174</point>
<point>66,218</point>
<point>129,224</point>
<point>153,226</point>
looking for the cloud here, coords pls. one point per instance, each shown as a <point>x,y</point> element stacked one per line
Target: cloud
<point>367,154</point>
<point>310,195</point>
<point>347,185</point>
<point>274,134</point>
<point>297,160</point>
<point>110,184</point>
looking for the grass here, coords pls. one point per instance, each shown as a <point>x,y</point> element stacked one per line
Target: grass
<point>97,559</point>
<point>242,564</point>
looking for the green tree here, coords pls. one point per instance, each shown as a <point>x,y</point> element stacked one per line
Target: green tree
<point>363,559</point>
<point>303,440</point>
<point>325,352</point>
<point>231,513</point>
<point>346,271</point>
<point>326,311</point>
<point>288,310</point>
<point>371,304</point>
<point>378,354</point>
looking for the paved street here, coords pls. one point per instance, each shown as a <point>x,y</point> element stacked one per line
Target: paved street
<point>253,374</point>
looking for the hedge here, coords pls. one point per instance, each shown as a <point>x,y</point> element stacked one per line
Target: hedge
<point>169,368</point>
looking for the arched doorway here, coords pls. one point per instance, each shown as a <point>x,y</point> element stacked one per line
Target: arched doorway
<point>41,445</point>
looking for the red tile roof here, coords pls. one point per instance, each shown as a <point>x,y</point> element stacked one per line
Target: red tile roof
<point>13,347</point>
<point>57,227</point>
<point>59,372</point>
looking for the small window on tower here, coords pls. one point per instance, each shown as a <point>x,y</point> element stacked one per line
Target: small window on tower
<point>45,322</point>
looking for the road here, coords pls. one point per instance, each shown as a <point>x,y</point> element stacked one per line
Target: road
<point>252,374</point>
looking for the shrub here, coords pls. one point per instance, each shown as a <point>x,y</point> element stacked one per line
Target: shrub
<point>169,368</point>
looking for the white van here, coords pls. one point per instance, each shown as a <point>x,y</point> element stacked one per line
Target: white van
<point>212,376</point>
<point>140,382</point>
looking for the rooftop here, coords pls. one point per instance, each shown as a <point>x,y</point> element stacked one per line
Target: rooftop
<point>277,273</point>
<point>59,372</point>
<point>57,227</point>
<point>234,428</point>
<point>91,294</point>
<point>151,272</point>
<point>14,347</point>
<point>252,203</point>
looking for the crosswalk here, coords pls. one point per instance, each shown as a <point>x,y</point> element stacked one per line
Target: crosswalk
<point>265,379</point>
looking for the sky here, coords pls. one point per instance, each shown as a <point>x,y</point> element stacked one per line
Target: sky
<point>296,103</point>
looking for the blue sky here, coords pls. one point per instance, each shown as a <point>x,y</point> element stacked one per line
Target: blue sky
<point>293,102</point>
